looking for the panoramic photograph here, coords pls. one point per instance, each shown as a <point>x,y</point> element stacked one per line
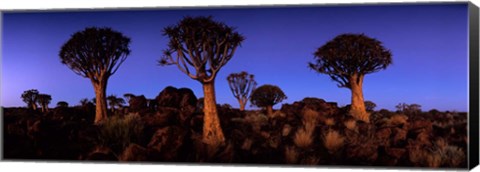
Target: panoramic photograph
<point>377,85</point>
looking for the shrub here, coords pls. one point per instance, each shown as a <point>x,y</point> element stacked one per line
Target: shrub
<point>333,141</point>
<point>329,122</point>
<point>118,132</point>
<point>350,124</point>
<point>291,155</point>
<point>303,138</point>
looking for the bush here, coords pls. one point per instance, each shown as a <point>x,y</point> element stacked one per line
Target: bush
<point>118,132</point>
<point>333,141</point>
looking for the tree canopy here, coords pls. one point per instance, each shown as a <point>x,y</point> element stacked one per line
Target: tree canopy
<point>267,95</point>
<point>200,46</point>
<point>350,55</point>
<point>95,53</point>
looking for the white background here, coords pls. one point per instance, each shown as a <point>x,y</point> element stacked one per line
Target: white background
<point>8,5</point>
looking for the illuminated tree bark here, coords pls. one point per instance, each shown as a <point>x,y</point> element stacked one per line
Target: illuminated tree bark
<point>200,47</point>
<point>347,59</point>
<point>96,53</point>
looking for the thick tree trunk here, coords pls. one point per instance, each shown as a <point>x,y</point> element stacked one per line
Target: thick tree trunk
<point>269,111</point>
<point>357,108</point>
<point>101,102</point>
<point>212,131</point>
<point>34,106</point>
<point>44,108</point>
<point>242,104</point>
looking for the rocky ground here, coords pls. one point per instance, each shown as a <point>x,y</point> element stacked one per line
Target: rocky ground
<point>308,132</point>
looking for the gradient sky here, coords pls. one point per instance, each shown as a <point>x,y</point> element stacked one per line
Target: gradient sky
<point>428,44</point>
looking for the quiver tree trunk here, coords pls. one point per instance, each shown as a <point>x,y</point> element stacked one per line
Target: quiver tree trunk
<point>357,108</point>
<point>242,104</point>
<point>269,111</point>
<point>212,131</point>
<point>34,106</point>
<point>101,101</point>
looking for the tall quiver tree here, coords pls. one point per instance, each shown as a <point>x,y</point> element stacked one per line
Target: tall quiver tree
<point>44,100</point>
<point>30,97</point>
<point>96,53</point>
<point>241,84</point>
<point>347,59</point>
<point>200,47</point>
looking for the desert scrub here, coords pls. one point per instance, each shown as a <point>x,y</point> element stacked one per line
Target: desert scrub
<point>333,141</point>
<point>350,124</point>
<point>441,154</point>
<point>118,132</point>
<point>303,138</point>
<point>291,155</point>
<point>309,116</point>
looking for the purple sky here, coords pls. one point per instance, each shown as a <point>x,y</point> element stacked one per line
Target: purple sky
<point>428,43</point>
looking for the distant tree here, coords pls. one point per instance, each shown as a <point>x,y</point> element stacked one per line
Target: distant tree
<point>267,96</point>
<point>370,106</point>
<point>128,96</point>
<point>241,84</point>
<point>414,108</point>
<point>347,59</point>
<point>96,53</point>
<point>84,102</point>
<point>30,97</point>
<point>409,108</point>
<point>44,100</point>
<point>114,101</point>
<point>200,47</point>
<point>137,103</point>
<point>62,104</point>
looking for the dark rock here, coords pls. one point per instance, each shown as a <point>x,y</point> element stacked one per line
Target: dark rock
<point>138,103</point>
<point>182,99</point>
<point>102,154</point>
<point>167,141</point>
<point>134,152</point>
<point>395,153</point>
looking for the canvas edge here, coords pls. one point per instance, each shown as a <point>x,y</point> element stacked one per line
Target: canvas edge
<point>473,127</point>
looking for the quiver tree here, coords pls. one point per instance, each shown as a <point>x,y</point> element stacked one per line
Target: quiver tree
<point>62,104</point>
<point>267,96</point>
<point>114,101</point>
<point>96,53</point>
<point>200,47</point>
<point>370,106</point>
<point>44,100</point>
<point>347,59</point>
<point>241,84</point>
<point>30,98</point>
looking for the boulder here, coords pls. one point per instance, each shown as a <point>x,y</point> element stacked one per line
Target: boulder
<point>182,99</point>
<point>138,103</point>
<point>167,142</point>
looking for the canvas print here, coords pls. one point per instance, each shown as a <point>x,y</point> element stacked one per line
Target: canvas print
<point>379,85</point>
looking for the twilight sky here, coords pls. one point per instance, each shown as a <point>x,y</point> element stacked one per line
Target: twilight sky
<point>428,44</point>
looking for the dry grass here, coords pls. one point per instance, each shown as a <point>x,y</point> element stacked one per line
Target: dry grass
<point>441,154</point>
<point>398,119</point>
<point>291,155</point>
<point>453,156</point>
<point>310,160</point>
<point>350,124</point>
<point>303,138</point>
<point>247,144</point>
<point>329,121</point>
<point>286,130</point>
<point>333,141</point>
<point>309,116</point>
